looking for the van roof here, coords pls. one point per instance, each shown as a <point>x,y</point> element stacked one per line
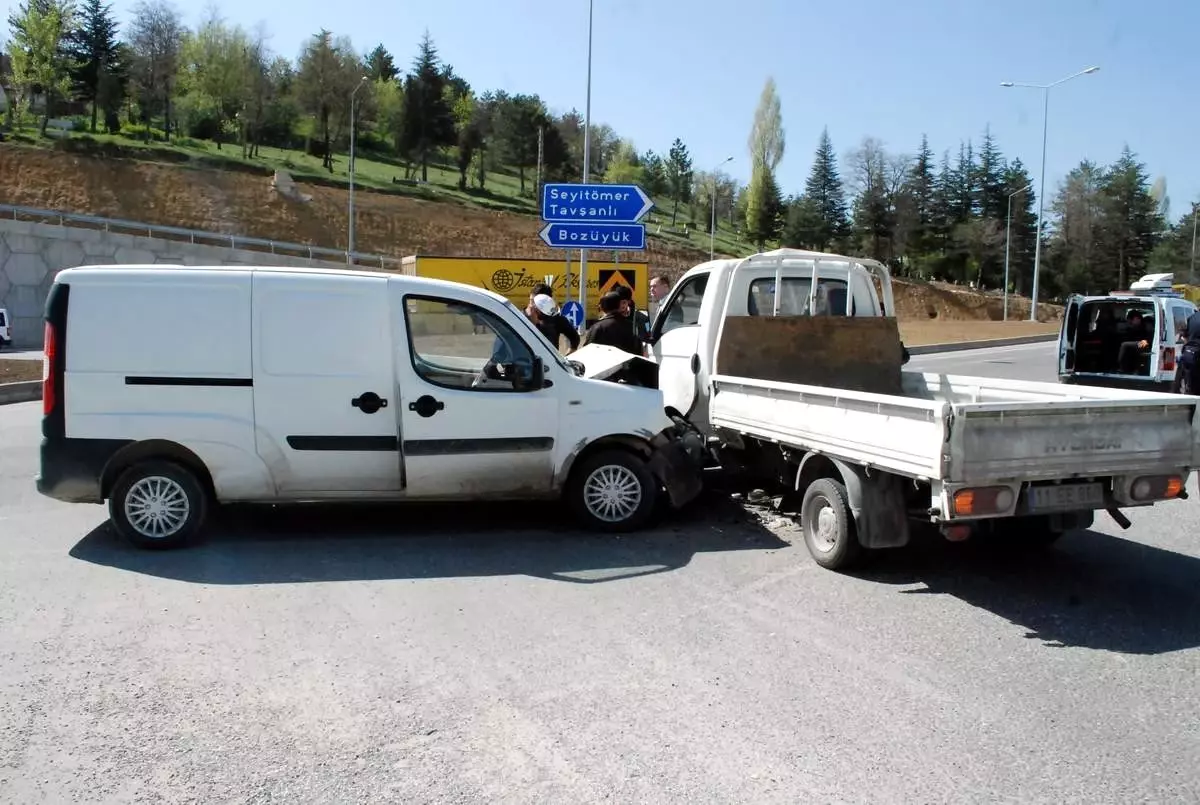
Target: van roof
<point>98,272</point>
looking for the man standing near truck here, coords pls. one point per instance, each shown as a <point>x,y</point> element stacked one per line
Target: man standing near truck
<point>614,329</point>
<point>1187,374</point>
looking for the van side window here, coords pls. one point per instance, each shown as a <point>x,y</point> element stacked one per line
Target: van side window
<point>460,346</point>
<point>684,308</point>
<point>1180,315</point>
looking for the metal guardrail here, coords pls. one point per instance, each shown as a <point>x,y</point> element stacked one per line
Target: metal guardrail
<point>198,237</point>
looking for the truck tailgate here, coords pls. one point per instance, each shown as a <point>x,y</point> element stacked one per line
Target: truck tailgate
<point>1018,429</point>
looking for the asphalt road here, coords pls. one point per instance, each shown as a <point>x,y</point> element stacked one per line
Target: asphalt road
<point>488,655</point>
<point>1025,362</point>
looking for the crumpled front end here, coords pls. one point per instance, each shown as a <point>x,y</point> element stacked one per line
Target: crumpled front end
<point>677,460</point>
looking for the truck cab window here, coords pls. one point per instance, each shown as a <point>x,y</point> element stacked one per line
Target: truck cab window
<point>794,297</point>
<point>458,345</point>
<point>683,309</point>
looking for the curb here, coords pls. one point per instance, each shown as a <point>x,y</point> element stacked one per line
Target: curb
<point>26,391</point>
<point>926,349</point>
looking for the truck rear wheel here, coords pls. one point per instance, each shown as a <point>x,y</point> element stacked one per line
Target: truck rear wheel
<point>613,491</point>
<point>158,504</point>
<point>828,525</point>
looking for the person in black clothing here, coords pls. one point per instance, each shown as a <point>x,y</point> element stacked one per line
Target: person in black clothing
<point>638,319</point>
<point>614,328</point>
<point>1187,373</point>
<point>1137,341</point>
<point>544,313</point>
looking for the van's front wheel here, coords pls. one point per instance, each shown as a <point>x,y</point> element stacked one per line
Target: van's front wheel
<point>158,504</point>
<point>613,491</point>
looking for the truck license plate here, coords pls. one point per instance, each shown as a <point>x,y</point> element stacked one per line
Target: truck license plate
<point>1066,497</point>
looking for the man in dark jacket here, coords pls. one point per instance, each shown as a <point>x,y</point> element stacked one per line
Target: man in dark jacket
<point>1187,373</point>
<point>546,316</point>
<point>614,328</point>
<point>637,318</point>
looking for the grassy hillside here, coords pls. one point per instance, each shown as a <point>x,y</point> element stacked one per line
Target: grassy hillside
<point>502,192</point>
<point>197,186</point>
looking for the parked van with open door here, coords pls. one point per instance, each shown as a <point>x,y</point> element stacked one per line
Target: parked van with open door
<point>5,329</point>
<point>1098,344</point>
<point>418,389</point>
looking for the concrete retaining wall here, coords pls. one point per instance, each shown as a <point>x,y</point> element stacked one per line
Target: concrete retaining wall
<point>31,254</point>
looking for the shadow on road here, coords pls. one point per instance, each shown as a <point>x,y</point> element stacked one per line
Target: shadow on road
<point>1091,590</point>
<point>264,545</point>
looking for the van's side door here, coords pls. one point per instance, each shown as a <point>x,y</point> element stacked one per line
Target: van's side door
<point>472,425</point>
<point>1067,336</point>
<point>324,384</point>
<point>676,344</point>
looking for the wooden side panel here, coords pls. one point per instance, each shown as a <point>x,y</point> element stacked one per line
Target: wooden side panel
<point>856,353</point>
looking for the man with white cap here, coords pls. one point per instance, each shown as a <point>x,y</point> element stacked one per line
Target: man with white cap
<point>543,311</point>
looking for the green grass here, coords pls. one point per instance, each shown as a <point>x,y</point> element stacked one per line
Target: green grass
<point>373,172</point>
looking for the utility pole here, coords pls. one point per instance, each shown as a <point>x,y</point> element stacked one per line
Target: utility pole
<point>350,214</point>
<point>587,162</point>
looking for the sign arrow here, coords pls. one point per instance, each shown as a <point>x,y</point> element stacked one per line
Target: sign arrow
<point>595,203</point>
<point>576,235</point>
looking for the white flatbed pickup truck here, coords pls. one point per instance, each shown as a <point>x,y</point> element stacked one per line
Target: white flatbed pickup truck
<point>790,362</point>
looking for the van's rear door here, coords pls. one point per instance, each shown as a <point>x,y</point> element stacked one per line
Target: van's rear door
<point>324,384</point>
<point>1067,336</point>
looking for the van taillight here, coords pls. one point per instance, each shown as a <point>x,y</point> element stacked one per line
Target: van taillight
<point>50,349</point>
<point>1168,360</point>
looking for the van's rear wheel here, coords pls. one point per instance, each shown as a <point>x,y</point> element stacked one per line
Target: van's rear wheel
<point>828,525</point>
<point>613,491</point>
<point>158,504</point>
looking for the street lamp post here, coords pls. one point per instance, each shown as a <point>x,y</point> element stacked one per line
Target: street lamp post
<point>1037,251</point>
<point>350,214</point>
<point>587,161</point>
<point>712,232</point>
<point>1195,213</point>
<point>1008,243</point>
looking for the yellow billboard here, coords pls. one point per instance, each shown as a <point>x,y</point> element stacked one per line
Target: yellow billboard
<point>515,278</point>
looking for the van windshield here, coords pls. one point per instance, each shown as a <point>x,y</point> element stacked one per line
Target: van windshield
<point>537,334</point>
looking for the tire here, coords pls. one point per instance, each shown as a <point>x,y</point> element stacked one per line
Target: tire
<point>143,485</point>
<point>828,525</point>
<point>619,472</point>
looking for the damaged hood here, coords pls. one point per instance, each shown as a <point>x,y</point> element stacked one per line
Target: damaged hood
<point>604,363</point>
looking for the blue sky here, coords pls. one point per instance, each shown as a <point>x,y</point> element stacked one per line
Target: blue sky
<point>668,68</point>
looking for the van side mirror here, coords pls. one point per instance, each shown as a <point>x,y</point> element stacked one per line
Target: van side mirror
<point>535,380</point>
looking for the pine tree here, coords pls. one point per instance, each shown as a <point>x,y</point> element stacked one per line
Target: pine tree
<point>95,53</point>
<point>428,123</point>
<point>1023,235</point>
<point>1131,216</point>
<point>678,170</point>
<point>919,189</point>
<point>824,190</point>
<point>989,179</point>
<point>381,66</point>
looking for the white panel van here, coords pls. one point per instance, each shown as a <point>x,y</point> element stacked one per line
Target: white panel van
<point>170,389</point>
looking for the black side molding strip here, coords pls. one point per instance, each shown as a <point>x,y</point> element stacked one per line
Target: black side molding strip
<point>361,444</point>
<point>444,447</point>
<point>141,380</point>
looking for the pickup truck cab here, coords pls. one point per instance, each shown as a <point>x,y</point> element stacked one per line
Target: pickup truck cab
<point>687,328</point>
<point>1096,329</point>
<point>418,389</point>
<point>790,363</point>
